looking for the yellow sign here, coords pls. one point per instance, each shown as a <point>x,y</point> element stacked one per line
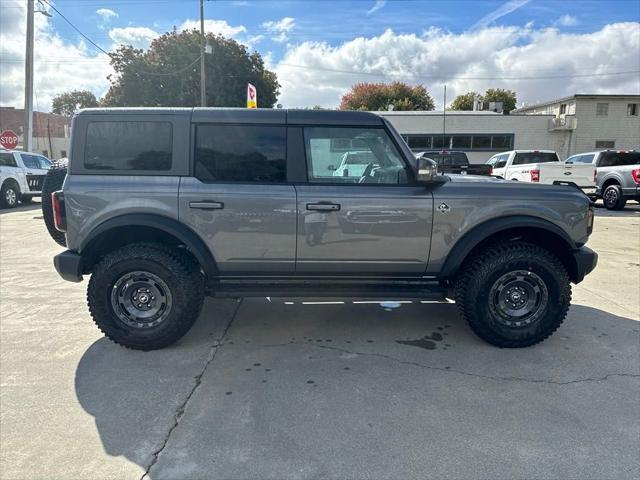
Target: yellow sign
<point>252,96</point>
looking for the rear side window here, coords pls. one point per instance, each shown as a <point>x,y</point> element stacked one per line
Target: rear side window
<point>128,146</point>
<point>30,161</point>
<point>534,157</point>
<point>7,160</point>
<point>616,159</point>
<point>241,153</point>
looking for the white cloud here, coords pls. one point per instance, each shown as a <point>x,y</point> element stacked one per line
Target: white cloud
<point>463,61</point>
<point>280,28</point>
<point>376,6</point>
<point>59,65</point>
<point>138,37</point>
<point>566,21</point>
<point>504,9</point>
<point>214,26</point>
<point>106,13</point>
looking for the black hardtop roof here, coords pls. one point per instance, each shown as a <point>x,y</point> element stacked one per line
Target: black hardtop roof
<point>250,115</point>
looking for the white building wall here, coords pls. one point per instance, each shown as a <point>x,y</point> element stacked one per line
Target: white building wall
<point>623,129</point>
<point>529,131</point>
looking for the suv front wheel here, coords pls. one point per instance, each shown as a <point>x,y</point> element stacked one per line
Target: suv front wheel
<point>145,296</point>
<point>513,295</point>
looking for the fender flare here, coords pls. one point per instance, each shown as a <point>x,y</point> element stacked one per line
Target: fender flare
<point>476,235</point>
<point>168,225</point>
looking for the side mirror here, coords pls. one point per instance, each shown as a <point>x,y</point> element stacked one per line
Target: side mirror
<point>427,170</point>
<point>332,168</point>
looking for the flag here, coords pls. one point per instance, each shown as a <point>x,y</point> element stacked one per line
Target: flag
<point>252,96</point>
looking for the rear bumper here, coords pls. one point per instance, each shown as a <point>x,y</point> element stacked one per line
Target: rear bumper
<point>586,260</point>
<point>69,265</point>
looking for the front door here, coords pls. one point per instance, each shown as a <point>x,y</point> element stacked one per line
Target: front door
<point>238,201</point>
<point>360,219</point>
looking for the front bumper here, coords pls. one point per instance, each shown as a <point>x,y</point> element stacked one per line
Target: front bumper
<point>69,265</point>
<point>586,260</point>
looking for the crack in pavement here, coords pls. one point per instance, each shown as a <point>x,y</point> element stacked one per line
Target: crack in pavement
<point>459,372</point>
<point>198,381</point>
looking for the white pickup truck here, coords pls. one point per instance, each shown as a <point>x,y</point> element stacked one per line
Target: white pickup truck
<point>543,166</point>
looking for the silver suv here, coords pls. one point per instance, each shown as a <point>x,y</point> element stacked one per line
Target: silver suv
<point>163,206</point>
<point>617,175</point>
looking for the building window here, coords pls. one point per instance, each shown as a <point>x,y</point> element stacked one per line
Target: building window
<point>605,144</point>
<point>467,142</point>
<point>632,109</point>
<point>602,109</point>
<point>563,108</point>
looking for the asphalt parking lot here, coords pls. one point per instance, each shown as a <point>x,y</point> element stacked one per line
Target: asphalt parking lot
<point>292,388</point>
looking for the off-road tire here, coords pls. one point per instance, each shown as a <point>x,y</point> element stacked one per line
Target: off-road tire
<point>6,187</point>
<point>176,268</point>
<point>52,183</point>
<point>478,275</point>
<point>612,198</point>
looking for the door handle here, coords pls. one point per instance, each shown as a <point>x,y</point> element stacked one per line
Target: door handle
<point>207,205</point>
<point>324,206</point>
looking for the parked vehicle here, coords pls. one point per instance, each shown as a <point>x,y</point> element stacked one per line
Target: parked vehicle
<point>543,166</point>
<point>147,193</point>
<point>21,176</point>
<point>455,162</point>
<point>618,175</point>
<point>353,163</point>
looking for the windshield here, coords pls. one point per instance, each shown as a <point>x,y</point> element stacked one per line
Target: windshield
<point>535,157</point>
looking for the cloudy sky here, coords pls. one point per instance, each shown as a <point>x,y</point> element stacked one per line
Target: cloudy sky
<point>541,48</point>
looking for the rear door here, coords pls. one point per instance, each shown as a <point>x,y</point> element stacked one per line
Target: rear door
<point>9,168</point>
<point>36,170</point>
<point>377,222</point>
<point>238,199</point>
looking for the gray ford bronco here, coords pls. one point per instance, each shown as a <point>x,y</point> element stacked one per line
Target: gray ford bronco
<point>164,206</point>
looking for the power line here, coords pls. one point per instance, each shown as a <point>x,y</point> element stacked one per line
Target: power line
<point>76,28</point>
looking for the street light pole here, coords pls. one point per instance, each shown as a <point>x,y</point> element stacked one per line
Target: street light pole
<point>203,86</point>
<point>28,82</point>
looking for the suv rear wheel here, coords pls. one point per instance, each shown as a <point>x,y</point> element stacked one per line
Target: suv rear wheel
<point>612,198</point>
<point>145,296</point>
<point>513,295</point>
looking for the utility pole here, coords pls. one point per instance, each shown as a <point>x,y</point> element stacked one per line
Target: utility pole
<point>444,119</point>
<point>203,85</point>
<point>27,132</point>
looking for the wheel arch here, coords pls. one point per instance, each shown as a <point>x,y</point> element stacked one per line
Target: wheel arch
<point>133,228</point>
<point>13,181</point>
<point>532,229</point>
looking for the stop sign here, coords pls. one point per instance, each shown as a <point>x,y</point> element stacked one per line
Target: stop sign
<point>8,139</point>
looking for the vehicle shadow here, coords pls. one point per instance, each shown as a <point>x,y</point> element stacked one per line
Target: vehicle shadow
<point>134,397</point>
<point>631,209</point>
<point>21,208</point>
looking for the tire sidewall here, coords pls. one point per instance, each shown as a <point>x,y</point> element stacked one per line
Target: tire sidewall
<point>102,285</point>
<point>16,195</point>
<point>615,205</point>
<point>484,322</point>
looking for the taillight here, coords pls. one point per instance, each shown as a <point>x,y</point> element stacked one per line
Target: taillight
<point>590,216</point>
<point>535,175</point>
<point>635,174</point>
<point>57,203</point>
<point>595,176</point>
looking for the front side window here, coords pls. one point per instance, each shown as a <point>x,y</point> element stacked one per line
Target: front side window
<point>501,161</point>
<point>241,153</point>
<point>379,160</point>
<point>30,161</point>
<point>128,146</point>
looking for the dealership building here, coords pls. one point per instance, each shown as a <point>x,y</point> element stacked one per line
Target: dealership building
<point>575,124</point>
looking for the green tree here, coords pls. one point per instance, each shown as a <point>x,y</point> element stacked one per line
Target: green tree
<point>507,97</point>
<point>68,103</point>
<point>168,73</point>
<point>464,101</point>
<point>379,96</point>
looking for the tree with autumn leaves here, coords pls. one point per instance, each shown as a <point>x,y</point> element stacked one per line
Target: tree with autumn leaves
<point>465,101</point>
<point>383,96</point>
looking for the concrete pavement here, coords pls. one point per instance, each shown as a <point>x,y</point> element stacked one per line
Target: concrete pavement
<point>301,388</point>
